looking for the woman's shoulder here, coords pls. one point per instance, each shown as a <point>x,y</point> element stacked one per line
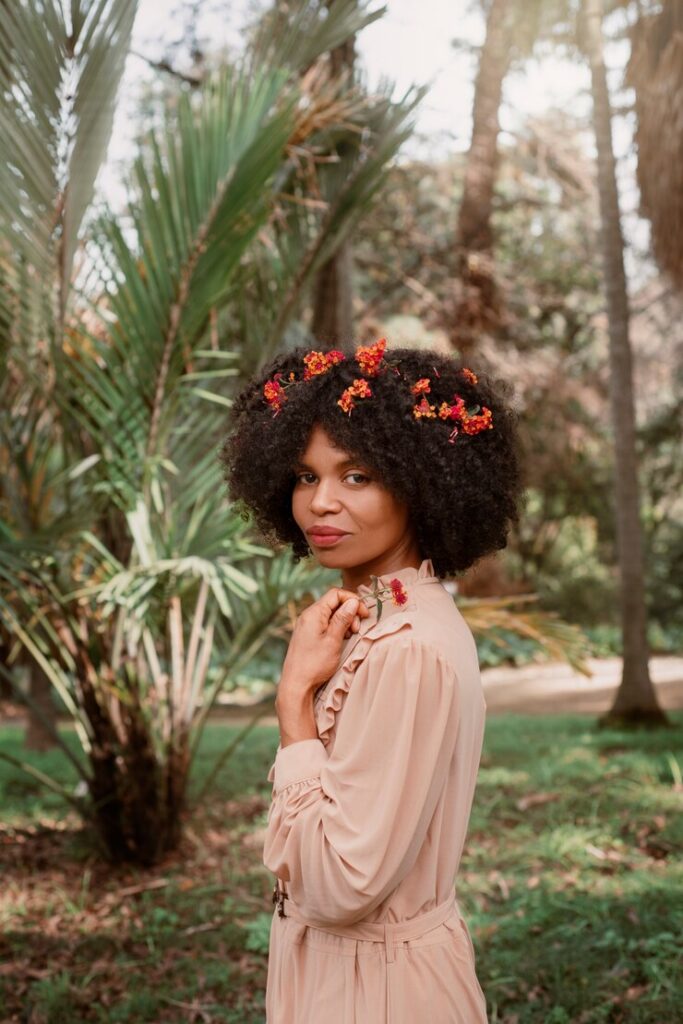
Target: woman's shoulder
<point>437,625</point>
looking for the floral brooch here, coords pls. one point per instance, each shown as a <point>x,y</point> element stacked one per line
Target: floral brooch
<point>395,589</point>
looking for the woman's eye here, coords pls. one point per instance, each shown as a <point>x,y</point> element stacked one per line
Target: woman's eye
<point>300,476</point>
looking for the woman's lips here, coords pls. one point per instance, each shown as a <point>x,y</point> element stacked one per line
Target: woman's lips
<point>326,540</point>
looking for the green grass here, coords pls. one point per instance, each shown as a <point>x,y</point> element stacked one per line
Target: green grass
<point>571,883</point>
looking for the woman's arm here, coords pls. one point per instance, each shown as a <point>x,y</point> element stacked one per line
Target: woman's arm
<point>345,828</point>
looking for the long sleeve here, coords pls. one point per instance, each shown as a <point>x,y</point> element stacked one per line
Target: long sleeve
<point>345,828</point>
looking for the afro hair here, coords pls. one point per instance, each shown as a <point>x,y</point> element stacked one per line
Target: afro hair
<point>461,496</point>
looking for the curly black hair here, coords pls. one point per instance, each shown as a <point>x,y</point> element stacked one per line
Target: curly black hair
<point>462,497</point>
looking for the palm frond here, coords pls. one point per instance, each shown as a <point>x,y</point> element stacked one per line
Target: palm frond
<point>62,75</point>
<point>293,35</point>
<point>559,639</point>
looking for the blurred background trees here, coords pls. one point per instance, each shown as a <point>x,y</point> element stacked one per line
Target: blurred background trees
<point>266,205</point>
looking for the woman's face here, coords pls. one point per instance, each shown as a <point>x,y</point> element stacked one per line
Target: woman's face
<point>333,490</point>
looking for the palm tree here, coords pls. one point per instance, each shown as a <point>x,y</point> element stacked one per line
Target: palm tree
<point>636,700</point>
<point>124,574</point>
<point>44,193</point>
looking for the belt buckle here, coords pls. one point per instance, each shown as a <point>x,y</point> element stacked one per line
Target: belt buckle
<point>279,897</point>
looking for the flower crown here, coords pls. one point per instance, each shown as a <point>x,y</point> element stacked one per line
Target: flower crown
<point>370,359</point>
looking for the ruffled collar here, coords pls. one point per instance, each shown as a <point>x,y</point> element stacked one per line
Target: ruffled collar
<point>408,575</point>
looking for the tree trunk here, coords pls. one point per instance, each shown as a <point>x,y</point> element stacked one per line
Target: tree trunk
<point>636,700</point>
<point>477,303</point>
<point>333,300</point>
<point>38,735</point>
<point>332,321</point>
<point>6,691</point>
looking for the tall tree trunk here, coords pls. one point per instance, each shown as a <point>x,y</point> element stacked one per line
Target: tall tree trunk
<point>477,302</point>
<point>332,321</point>
<point>333,300</point>
<point>636,700</point>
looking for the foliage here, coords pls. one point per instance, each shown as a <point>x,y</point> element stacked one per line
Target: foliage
<point>125,574</point>
<point>545,224</point>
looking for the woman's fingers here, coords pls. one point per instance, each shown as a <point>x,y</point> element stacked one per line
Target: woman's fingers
<point>344,595</point>
<point>353,628</point>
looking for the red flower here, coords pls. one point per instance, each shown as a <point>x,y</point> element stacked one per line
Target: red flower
<point>369,357</point>
<point>399,594</point>
<point>360,389</point>
<point>320,362</point>
<point>274,393</point>
<point>423,409</point>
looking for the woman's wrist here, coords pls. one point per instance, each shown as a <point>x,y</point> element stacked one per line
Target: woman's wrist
<point>295,714</point>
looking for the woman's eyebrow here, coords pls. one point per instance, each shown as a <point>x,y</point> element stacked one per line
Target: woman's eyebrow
<point>341,465</point>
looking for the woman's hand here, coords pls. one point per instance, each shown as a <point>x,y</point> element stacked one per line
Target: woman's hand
<point>317,639</point>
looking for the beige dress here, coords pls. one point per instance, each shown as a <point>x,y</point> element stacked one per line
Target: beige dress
<point>367,825</point>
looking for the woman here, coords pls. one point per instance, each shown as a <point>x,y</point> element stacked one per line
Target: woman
<point>395,472</point>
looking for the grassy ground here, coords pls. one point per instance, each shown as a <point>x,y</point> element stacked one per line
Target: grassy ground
<point>571,883</point>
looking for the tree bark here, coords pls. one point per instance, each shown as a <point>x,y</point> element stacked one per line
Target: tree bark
<point>332,321</point>
<point>636,699</point>
<point>37,735</point>
<point>477,302</point>
<point>333,300</point>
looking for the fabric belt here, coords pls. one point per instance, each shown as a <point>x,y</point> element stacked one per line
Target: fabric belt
<point>389,932</point>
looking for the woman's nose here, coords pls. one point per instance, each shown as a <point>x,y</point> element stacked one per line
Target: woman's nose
<point>324,499</point>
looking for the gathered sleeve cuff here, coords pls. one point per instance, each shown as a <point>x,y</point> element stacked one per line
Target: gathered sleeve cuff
<point>345,828</point>
<point>299,762</point>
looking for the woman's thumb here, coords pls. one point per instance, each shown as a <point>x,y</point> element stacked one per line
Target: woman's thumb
<point>346,611</point>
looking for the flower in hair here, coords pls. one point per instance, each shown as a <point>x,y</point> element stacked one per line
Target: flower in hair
<point>482,421</point>
<point>423,408</point>
<point>359,389</point>
<point>421,386</point>
<point>315,363</point>
<point>469,423</point>
<point>320,362</point>
<point>274,393</point>
<point>369,357</point>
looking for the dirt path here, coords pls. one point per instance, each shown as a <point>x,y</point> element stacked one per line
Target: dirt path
<point>556,687</point>
<point>545,689</point>
<point>553,687</point>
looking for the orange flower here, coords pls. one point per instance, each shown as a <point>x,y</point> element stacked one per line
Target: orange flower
<point>424,409</point>
<point>470,423</point>
<point>320,362</point>
<point>360,389</point>
<point>369,357</point>
<point>274,393</point>
<point>472,377</point>
<point>482,421</point>
<point>452,412</point>
<point>421,386</point>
